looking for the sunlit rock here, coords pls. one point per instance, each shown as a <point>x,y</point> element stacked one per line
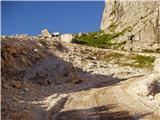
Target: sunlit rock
<point>67,38</point>
<point>46,33</point>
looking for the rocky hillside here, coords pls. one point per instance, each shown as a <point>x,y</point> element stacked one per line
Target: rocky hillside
<point>44,78</point>
<point>138,21</point>
<point>86,76</point>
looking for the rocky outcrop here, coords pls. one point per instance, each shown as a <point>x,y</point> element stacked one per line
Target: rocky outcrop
<point>137,21</point>
<point>56,36</point>
<point>46,33</point>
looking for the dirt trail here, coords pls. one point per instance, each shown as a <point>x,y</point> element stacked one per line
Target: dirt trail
<point>105,99</point>
<point>104,103</point>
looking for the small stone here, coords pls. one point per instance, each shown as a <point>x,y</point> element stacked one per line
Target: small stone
<point>26,89</point>
<point>150,97</point>
<point>35,50</point>
<point>17,85</point>
<point>77,81</point>
<point>15,98</point>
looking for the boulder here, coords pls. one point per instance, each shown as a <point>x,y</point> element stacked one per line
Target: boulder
<point>46,33</point>
<point>67,38</point>
<point>157,97</point>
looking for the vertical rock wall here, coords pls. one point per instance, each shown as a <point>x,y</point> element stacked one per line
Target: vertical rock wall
<point>139,20</point>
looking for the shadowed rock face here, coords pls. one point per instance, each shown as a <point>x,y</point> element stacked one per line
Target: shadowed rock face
<point>139,20</point>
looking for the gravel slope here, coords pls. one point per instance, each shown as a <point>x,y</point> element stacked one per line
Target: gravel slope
<point>67,84</point>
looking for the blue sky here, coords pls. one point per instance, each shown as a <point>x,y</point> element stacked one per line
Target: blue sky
<point>65,17</point>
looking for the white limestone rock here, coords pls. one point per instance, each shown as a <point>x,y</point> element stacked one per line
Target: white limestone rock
<point>67,38</point>
<point>137,18</point>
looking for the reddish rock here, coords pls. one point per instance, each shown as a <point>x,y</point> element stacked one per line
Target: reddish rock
<point>17,85</point>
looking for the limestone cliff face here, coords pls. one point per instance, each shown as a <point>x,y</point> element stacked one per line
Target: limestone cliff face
<point>139,20</point>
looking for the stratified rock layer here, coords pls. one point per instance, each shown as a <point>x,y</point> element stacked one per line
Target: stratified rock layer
<point>138,20</point>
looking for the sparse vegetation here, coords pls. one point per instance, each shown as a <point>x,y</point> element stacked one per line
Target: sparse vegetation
<point>142,61</point>
<point>112,56</point>
<point>133,60</point>
<point>139,61</point>
<point>151,51</point>
<point>113,27</point>
<point>99,39</point>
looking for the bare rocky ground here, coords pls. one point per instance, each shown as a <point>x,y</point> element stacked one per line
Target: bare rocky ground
<point>49,80</point>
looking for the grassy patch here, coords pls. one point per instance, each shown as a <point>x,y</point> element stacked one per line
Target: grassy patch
<point>99,39</point>
<point>143,61</point>
<point>119,45</point>
<point>139,61</point>
<point>112,56</point>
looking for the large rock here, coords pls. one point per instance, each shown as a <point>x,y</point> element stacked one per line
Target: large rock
<point>46,33</point>
<point>67,38</point>
<point>138,20</point>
